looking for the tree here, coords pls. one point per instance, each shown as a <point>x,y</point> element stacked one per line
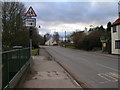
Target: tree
<point>109,30</point>
<point>47,36</point>
<point>77,38</point>
<point>90,41</point>
<point>56,37</point>
<point>14,32</point>
<point>101,28</point>
<point>36,38</point>
<point>109,26</point>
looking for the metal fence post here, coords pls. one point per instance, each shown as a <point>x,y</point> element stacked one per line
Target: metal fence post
<point>1,29</point>
<point>8,68</point>
<point>19,58</point>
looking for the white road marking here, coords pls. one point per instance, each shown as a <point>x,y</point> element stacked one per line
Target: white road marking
<point>113,79</point>
<point>102,75</point>
<point>114,75</point>
<point>109,77</point>
<point>107,67</point>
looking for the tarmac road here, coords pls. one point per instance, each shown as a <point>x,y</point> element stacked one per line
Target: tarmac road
<point>92,69</point>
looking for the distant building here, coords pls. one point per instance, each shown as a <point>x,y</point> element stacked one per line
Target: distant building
<point>56,37</point>
<point>50,42</point>
<point>115,35</point>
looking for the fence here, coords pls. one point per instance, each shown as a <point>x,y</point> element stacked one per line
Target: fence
<point>12,62</point>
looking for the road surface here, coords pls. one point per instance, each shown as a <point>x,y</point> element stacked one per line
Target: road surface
<point>92,69</point>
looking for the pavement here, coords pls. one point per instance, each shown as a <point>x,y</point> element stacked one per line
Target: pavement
<point>47,73</point>
<point>106,54</point>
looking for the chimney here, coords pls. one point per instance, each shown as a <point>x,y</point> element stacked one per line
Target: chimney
<point>119,8</point>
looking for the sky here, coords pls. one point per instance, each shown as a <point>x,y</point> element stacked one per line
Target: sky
<point>72,16</point>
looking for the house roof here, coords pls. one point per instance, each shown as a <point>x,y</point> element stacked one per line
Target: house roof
<point>117,22</point>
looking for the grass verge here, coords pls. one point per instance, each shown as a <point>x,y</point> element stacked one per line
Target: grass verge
<point>35,52</point>
<point>72,47</point>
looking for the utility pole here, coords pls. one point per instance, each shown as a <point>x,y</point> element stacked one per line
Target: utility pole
<point>65,39</point>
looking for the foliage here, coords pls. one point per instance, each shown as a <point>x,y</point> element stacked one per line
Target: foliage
<point>36,38</point>
<point>109,26</point>
<point>56,37</point>
<point>78,38</point>
<point>47,36</point>
<point>35,52</point>
<point>14,32</point>
<point>72,47</point>
<point>109,30</point>
<point>13,26</point>
<point>90,41</point>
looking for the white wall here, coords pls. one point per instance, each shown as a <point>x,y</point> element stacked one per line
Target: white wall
<point>49,42</point>
<point>115,36</point>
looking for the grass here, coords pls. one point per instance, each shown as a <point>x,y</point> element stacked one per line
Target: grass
<point>35,52</point>
<point>72,47</point>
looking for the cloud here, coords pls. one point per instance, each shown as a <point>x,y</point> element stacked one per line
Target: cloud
<point>56,16</point>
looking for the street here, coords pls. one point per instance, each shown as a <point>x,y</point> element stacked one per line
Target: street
<point>60,44</point>
<point>92,69</point>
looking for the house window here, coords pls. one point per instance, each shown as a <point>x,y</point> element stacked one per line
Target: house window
<point>114,29</point>
<point>117,44</point>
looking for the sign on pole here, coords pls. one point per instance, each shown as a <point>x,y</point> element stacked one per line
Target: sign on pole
<point>102,39</point>
<point>30,22</point>
<point>104,45</point>
<point>30,13</point>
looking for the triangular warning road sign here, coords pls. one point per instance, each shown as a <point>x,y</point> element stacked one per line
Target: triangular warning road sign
<point>30,13</point>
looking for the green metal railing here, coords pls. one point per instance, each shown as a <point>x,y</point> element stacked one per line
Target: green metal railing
<point>12,62</point>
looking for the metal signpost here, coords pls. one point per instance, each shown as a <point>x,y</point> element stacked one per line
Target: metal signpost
<point>30,22</point>
<point>102,39</point>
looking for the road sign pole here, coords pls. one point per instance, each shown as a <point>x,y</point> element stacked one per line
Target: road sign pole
<point>30,33</point>
<point>30,22</point>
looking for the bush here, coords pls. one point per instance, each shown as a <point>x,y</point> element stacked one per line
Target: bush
<point>90,41</point>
